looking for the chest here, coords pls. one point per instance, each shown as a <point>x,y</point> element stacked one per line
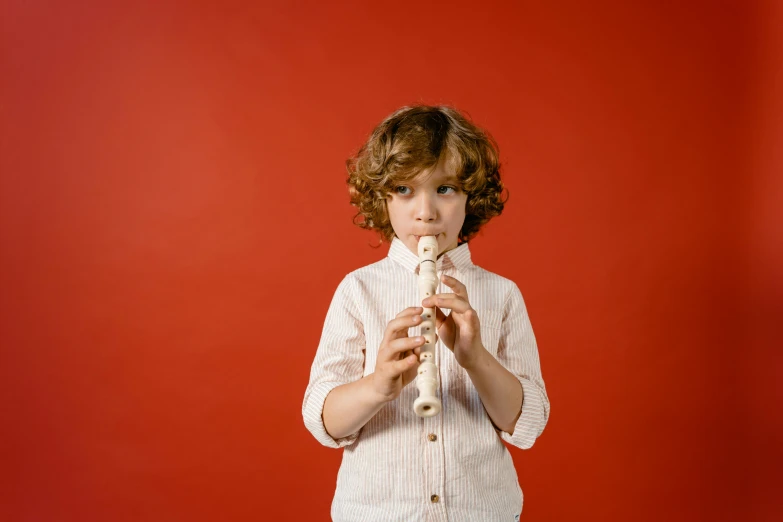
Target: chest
<point>380,303</point>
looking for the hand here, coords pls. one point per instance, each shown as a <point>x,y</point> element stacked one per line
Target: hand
<point>460,331</point>
<point>398,355</point>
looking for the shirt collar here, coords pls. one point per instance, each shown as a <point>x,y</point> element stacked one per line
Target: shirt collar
<point>458,258</point>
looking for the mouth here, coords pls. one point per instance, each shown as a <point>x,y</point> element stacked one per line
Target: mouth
<point>419,237</point>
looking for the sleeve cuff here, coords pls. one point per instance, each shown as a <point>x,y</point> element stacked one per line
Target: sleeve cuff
<point>531,421</point>
<point>312,411</point>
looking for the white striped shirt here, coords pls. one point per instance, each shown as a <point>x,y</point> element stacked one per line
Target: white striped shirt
<point>400,467</point>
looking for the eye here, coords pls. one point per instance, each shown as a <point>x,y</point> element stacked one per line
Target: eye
<point>401,190</point>
<point>443,189</point>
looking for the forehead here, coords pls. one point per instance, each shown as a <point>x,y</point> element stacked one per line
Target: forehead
<point>443,172</point>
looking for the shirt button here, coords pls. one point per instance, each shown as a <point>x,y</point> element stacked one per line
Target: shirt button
<point>432,437</point>
<point>434,499</point>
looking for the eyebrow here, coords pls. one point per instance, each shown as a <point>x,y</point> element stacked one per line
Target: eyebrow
<point>448,178</point>
<point>451,178</point>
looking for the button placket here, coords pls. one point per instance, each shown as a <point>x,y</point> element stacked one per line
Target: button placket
<point>433,448</point>
<point>433,425</point>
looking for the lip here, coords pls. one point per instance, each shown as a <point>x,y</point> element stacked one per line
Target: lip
<point>419,237</point>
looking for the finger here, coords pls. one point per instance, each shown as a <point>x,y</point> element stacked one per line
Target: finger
<point>397,347</point>
<point>434,300</point>
<point>409,375</point>
<point>440,317</point>
<point>398,327</point>
<point>403,365</point>
<point>456,286</point>
<point>416,351</point>
<point>412,310</point>
<point>451,302</point>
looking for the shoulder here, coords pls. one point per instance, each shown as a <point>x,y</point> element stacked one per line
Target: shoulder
<point>485,277</point>
<point>378,272</point>
<point>488,292</point>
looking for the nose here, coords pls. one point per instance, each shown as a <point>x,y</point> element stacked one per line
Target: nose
<point>426,209</point>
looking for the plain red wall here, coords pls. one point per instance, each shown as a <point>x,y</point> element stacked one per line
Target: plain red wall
<point>174,221</point>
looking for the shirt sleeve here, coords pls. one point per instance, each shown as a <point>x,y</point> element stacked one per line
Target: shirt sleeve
<point>339,360</point>
<point>518,353</point>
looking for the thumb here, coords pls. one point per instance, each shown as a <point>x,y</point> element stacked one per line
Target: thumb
<point>440,317</point>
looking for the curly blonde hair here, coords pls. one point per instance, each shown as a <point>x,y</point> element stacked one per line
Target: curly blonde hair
<point>416,138</point>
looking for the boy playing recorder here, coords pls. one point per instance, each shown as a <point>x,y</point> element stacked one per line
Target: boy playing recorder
<point>426,171</point>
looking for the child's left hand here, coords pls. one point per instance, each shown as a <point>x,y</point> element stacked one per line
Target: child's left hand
<point>460,331</point>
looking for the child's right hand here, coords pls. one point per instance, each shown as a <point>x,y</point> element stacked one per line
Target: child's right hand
<point>398,355</point>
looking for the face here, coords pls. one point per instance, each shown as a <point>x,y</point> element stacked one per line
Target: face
<point>432,204</point>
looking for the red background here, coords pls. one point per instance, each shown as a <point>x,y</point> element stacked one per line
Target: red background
<point>174,221</point>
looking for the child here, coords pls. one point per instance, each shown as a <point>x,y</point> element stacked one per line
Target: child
<point>426,171</point>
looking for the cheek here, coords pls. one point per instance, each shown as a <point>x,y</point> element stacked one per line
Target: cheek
<point>394,211</point>
<point>458,213</point>
<point>391,208</point>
